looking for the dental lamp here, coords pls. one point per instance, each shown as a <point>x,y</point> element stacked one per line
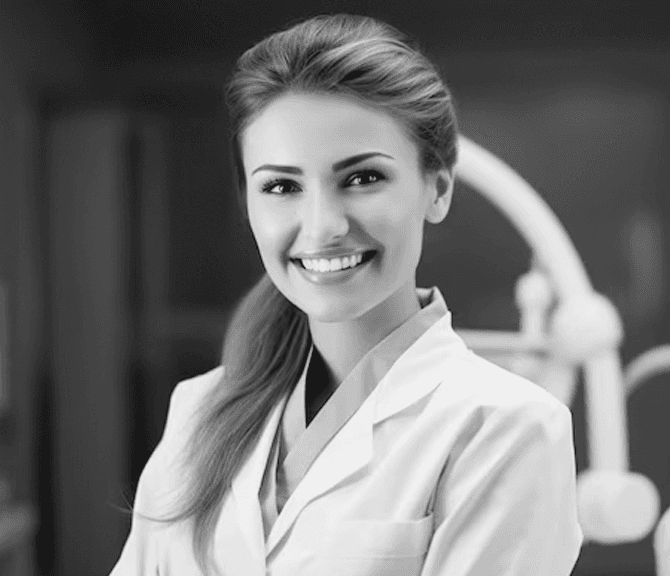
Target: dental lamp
<point>565,326</point>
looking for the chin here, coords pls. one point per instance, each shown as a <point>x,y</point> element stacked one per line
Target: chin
<point>330,312</point>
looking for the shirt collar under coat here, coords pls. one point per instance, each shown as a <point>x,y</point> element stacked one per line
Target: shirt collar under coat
<point>403,368</point>
<point>372,368</point>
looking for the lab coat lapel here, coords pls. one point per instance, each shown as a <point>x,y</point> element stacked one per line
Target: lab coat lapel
<point>245,487</point>
<point>419,370</point>
<point>416,373</point>
<point>348,451</point>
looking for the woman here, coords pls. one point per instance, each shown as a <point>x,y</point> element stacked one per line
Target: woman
<point>349,430</point>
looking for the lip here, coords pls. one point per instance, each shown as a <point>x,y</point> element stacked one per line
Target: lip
<point>330,253</point>
<point>334,277</point>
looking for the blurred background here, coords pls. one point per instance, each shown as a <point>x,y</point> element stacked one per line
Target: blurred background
<point>122,250</point>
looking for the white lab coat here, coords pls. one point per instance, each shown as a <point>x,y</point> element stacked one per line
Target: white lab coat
<point>452,466</point>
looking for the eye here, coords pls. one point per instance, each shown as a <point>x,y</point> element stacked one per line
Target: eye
<point>269,186</point>
<point>371,176</point>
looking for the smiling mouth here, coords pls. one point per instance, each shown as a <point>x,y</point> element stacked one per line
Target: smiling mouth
<point>325,266</point>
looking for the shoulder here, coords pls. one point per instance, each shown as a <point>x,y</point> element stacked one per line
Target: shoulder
<point>495,418</point>
<point>187,398</point>
<point>473,384</point>
<point>191,391</point>
<point>161,476</point>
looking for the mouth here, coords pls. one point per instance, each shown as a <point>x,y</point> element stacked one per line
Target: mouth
<point>331,266</point>
<point>333,271</point>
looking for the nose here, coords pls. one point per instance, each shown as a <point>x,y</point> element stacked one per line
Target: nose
<point>324,216</point>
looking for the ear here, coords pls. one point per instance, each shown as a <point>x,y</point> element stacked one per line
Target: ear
<point>440,190</point>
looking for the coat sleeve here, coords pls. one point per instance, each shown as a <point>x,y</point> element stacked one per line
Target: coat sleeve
<point>139,556</point>
<point>506,504</point>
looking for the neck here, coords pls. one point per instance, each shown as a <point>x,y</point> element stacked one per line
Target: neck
<point>343,344</point>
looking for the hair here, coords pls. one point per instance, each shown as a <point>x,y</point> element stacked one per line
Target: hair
<point>268,339</point>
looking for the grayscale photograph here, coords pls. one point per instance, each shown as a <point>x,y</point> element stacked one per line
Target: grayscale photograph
<point>334,288</point>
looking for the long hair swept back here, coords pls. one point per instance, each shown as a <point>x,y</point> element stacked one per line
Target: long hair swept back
<point>268,340</point>
<point>349,55</point>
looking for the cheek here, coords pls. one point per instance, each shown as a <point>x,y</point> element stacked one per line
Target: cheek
<point>266,226</point>
<point>406,243</point>
<point>398,225</point>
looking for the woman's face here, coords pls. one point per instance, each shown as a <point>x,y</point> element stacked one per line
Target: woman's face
<point>330,177</point>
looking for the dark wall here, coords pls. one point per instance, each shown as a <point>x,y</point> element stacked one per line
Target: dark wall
<point>35,50</point>
<point>573,95</point>
<point>585,130</point>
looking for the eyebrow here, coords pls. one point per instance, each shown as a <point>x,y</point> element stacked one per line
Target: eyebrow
<point>341,165</point>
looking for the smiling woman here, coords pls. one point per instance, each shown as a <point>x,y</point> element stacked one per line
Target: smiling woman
<point>350,430</point>
<point>357,188</point>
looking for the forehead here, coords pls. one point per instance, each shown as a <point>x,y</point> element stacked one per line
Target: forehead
<point>315,128</point>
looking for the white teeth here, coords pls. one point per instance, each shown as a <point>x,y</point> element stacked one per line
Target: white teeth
<point>334,264</point>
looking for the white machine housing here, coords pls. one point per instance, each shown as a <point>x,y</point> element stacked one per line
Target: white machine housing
<point>565,326</point>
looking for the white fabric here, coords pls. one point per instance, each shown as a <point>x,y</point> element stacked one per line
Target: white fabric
<point>296,444</point>
<point>452,466</point>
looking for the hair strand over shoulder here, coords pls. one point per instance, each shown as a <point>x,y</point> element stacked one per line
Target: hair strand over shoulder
<point>268,339</point>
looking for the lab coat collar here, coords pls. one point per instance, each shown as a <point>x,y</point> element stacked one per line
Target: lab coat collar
<point>245,487</point>
<point>416,373</point>
<point>301,445</point>
<point>419,369</point>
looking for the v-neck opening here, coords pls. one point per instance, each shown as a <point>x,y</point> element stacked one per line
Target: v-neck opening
<point>318,388</point>
<point>307,440</point>
<point>299,441</point>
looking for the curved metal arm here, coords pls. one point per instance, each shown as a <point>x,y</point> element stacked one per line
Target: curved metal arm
<point>585,329</point>
<point>555,253</point>
<point>646,365</point>
<point>531,215</point>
